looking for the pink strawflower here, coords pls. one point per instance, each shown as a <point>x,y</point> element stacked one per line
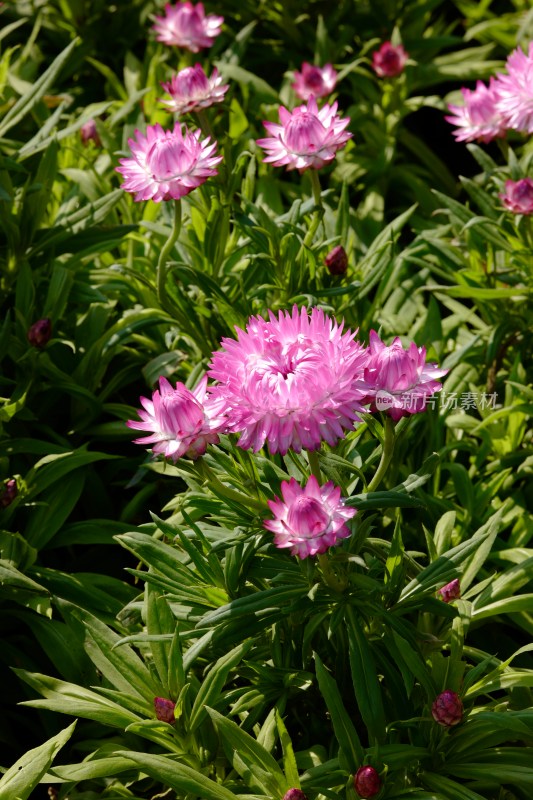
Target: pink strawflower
<point>166,165</point>
<point>447,709</point>
<point>452,591</point>
<point>191,89</point>
<point>179,421</point>
<point>164,710</point>
<point>314,81</point>
<point>515,91</point>
<point>518,196</point>
<point>367,782</point>
<point>479,119</point>
<point>396,380</point>
<point>186,25</point>
<point>307,136</point>
<point>389,61</point>
<point>309,520</point>
<point>289,381</point>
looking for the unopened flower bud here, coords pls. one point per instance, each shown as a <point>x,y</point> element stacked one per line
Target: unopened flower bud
<point>9,493</point>
<point>452,591</point>
<point>367,782</point>
<point>40,332</point>
<point>88,133</point>
<point>336,260</point>
<point>164,710</point>
<point>294,794</point>
<point>389,61</point>
<point>447,709</point>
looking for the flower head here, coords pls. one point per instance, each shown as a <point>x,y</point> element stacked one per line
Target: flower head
<point>336,260</point>
<point>389,61</point>
<point>191,89</point>
<point>179,422</point>
<point>518,196</point>
<point>164,710</point>
<point>167,165</point>
<point>294,794</point>
<point>397,380</point>
<point>447,709</point>
<point>307,137</point>
<point>314,81</point>
<point>186,25</point>
<point>289,381</point>
<point>515,91</point>
<point>367,782</point>
<point>8,493</point>
<point>309,520</point>
<point>452,591</point>
<point>88,133</point>
<point>479,119</point>
<point>40,332</point>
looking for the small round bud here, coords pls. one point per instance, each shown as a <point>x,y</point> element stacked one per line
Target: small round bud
<point>88,133</point>
<point>164,710</point>
<point>447,709</point>
<point>367,782</point>
<point>10,491</point>
<point>337,261</point>
<point>40,332</point>
<point>294,794</point>
<point>452,591</point>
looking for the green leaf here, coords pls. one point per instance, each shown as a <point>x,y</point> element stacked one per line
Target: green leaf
<point>289,761</point>
<point>365,679</point>
<point>21,779</point>
<point>210,691</point>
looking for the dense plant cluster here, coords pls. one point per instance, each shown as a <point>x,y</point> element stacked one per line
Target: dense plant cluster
<point>302,234</point>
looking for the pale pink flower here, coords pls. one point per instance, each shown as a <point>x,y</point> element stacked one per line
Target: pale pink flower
<point>191,89</point>
<point>289,381</point>
<point>389,61</point>
<point>309,520</point>
<point>452,591</point>
<point>166,165</point>
<point>518,196</point>
<point>179,421</point>
<point>314,81</point>
<point>307,136</point>
<point>479,119</point>
<point>186,25</point>
<point>515,91</point>
<point>396,380</point>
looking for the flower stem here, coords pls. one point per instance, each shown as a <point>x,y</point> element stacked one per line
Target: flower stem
<point>312,457</point>
<point>319,210</point>
<point>164,254</point>
<point>217,487</point>
<point>386,454</point>
<point>331,579</point>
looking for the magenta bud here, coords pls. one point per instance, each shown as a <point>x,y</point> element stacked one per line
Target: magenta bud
<point>9,493</point>
<point>337,261</point>
<point>164,710</point>
<point>389,61</point>
<point>294,794</point>
<point>452,591</point>
<point>447,709</point>
<point>88,133</point>
<point>367,782</point>
<point>40,332</point>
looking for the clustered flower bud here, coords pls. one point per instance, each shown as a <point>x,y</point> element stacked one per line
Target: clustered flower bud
<point>452,591</point>
<point>294,794</point>
<point>9,493</point>
<point>337,261</point>
<point>367,782</point>
<point>40,332</point>
<point>164,710</point>
<point>447,709</point>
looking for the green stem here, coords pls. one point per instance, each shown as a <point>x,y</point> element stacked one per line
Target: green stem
<point>312,457</point>
<point>220,488</point>
<point>386,454</point>
<point>164,254</point>
<point>319,210</point>
<point>331,579</point>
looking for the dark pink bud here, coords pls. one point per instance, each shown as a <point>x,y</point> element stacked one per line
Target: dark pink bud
<point>367,782</point>
<point>452,591</point>
<point>40,332</point>
<point>389,60</point>
<point>9,493</point>
<point>88,133</point>
<point>164,710</point>
<point>447,709</point>
<point>294,794</point>
<point>336,260</point>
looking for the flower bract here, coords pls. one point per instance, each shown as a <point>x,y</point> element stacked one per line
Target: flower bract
<point>389,61</point>
<point>289,381</point>
<point>309,520</point>
<point>314,81</point>
<point>191,89</point>
<point>479,118</point>
<point>186,25</point>
<point>515,91</point>
<point>518,196</point>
